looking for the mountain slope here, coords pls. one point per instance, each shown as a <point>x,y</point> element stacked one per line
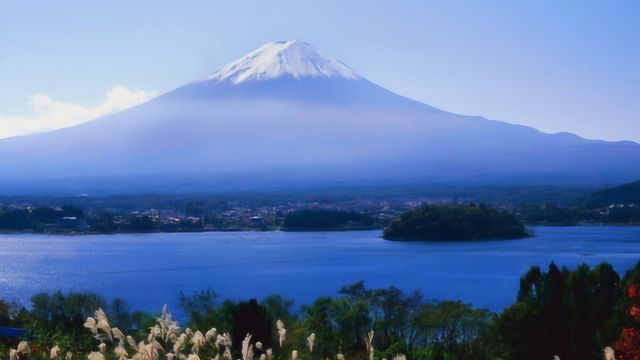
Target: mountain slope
<point>623,194</point>
<point>287,115</point>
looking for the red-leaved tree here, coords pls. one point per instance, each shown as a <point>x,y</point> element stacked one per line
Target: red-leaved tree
<point>628,346</point>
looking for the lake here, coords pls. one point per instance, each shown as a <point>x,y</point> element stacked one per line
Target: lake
<point>149,270</point>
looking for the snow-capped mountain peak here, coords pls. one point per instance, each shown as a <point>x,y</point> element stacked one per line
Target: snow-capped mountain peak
<point>283,58</point>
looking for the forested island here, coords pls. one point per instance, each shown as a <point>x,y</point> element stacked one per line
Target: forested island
<point>455,222</point>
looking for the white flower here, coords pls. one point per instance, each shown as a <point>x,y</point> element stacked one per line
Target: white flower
<point>369,341</point>
<point>310,341</point>
<point>340,357</point>
<point>269,353</point>
<point>258,345</point>
<point>227,354</point>
<point>117,333</point>
<point>212,334</point>
<point>282,332</point>
<point>94,355</point>
<point>147,351</point>
<point>180,343</point>
<point>68,355</point>
<point>154,350</point>
<point>227,339</point>
<point>55,351</point>
<point>609,354</point>
<point>247,351</point>
<point>131,342</point>
<point>102,347</point>
<point>143,352</point>
<point>23,348</point>
<point>171,332</point>
<point>92,325</point>
<point>169,328</point>
<point>154,332</point>
<point>198,341</point>
<point>193,357</point>
<point>120,352</point>
<point>220,341</point>
<point>294,355</point>
<point>103,322</point>
<point>13,354</point>
<point>156,345</point>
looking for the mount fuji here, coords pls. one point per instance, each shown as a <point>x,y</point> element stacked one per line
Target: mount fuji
<point>287,115</point>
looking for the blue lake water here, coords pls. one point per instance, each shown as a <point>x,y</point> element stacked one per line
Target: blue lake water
<point>149,270</point>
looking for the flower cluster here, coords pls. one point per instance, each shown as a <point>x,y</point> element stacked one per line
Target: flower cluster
<point>628,346</point>
<point>166,341</point>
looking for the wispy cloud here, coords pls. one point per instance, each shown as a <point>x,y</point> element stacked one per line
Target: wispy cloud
<point>48,114</point>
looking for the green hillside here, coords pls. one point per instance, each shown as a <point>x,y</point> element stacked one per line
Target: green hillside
<point>623,194</point>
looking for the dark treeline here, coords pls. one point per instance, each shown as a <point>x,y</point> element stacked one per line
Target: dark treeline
<point>617,205</point>
<point>624,194</point>
<point>37,218</point>
<point>570,313</point>
<point>324,219</point>
<point>71,219</point>
<point>196,216</point>
<point>554,215</point>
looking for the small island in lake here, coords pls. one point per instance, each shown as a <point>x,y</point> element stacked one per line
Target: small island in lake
<point>455,222</point>
<point>326,220</point>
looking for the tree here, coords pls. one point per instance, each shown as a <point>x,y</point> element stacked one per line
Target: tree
<point>628,344</point>
<point>200,307</point>
<point>59,315</point>
<point>119,314</point>
<point>566,313</point>
<point>319,320</point>
<point>249,317</point>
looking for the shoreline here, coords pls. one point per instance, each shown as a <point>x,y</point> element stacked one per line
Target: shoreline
<point>89,233</point>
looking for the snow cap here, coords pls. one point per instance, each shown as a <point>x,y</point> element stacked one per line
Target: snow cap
<point>292,58</point>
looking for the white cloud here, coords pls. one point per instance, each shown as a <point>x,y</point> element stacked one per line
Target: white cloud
<point>48,114</point>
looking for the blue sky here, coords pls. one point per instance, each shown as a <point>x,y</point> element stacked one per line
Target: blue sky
<point>554,65</point>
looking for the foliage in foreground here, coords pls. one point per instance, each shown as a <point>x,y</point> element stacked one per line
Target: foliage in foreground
<point>571,314</point>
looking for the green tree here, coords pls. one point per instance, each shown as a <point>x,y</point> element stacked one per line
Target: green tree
<point>566,313</point>
<point>319,320</point>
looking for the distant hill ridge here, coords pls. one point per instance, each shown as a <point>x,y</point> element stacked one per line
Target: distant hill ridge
<point>623,194</point>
